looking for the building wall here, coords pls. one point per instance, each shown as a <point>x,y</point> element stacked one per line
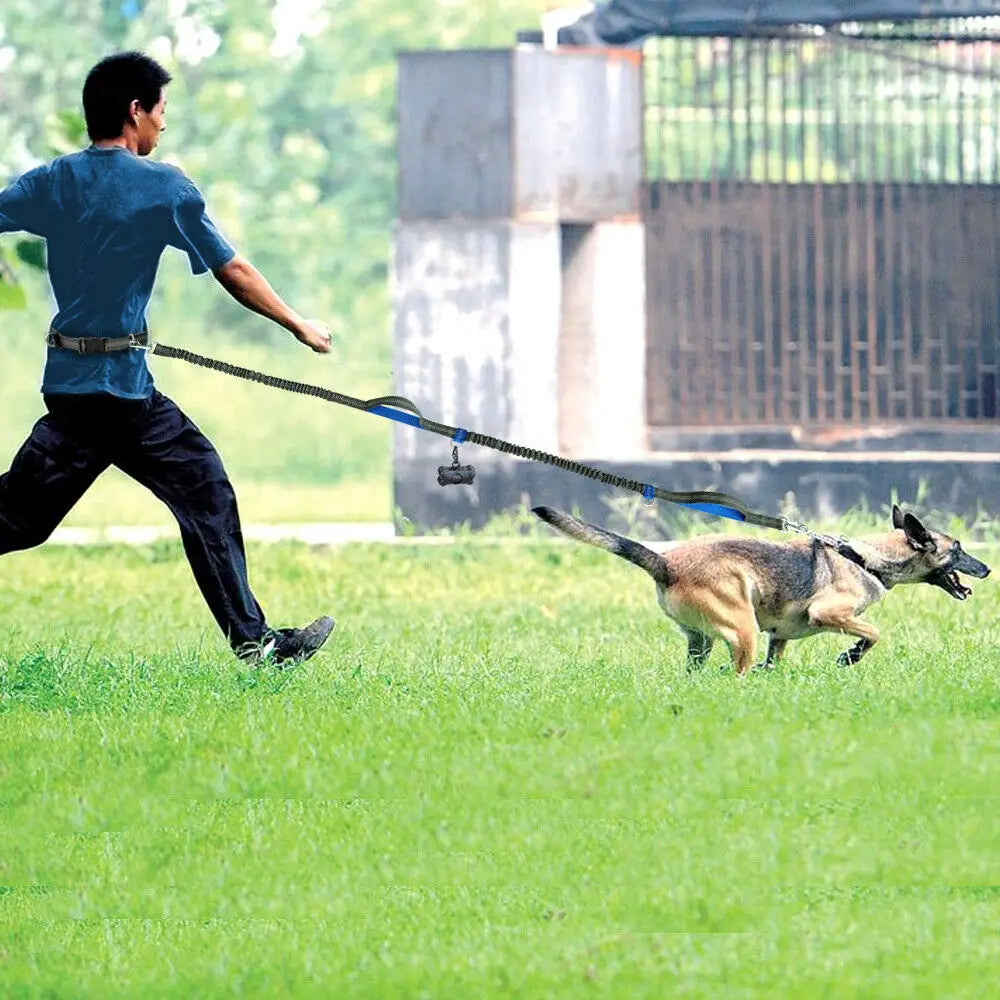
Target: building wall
<point>520,272</point>
<point>518,277</point>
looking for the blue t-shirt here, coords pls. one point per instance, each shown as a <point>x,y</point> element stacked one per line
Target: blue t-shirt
<point>107,214</point>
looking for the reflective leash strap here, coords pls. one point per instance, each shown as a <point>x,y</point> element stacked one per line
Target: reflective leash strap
<point>718,504</point>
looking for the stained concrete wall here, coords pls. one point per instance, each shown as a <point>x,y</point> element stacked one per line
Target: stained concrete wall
<point>602,344</point>
<point>824,485</point>
<point>518,259</point>
<point>477,330</point>
<point>519,133</point>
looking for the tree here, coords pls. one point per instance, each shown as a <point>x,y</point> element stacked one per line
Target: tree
<point>282,112</point>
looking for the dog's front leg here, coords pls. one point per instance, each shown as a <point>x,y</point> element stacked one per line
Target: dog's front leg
<point>839,617</point>
<point>775,650</point>
<point>742,642</point>
<point>851,656</point>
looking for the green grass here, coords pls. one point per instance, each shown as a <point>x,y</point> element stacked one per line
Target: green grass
<point>497,780</point>
<point>117,500</point>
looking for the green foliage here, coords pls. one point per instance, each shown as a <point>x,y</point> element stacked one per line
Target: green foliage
<point>11,293</point>
<point>31,252</point>
<point>65,132</point>
<point>293,148</point>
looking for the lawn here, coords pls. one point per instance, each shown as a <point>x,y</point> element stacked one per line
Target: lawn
<point>496,780</point>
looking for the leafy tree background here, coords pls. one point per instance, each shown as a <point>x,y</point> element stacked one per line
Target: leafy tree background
<point>283,112</point>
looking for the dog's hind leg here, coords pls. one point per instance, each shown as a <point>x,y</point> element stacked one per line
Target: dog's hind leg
<point>699,646</point>
<point>839,617</point>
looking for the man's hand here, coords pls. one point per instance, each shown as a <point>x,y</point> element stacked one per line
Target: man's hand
<point>314,334</point>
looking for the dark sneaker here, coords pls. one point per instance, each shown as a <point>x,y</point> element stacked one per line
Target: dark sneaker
<point>293,645</point>
<point>288,646</point>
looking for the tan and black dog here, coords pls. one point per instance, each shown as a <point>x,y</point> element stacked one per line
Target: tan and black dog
<point>731,588</point>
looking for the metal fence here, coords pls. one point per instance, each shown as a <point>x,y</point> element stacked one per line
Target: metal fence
<point>821,213</point>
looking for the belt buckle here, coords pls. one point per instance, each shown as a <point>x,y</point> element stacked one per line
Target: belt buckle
<point>50,339</point>
<point>93,345</point>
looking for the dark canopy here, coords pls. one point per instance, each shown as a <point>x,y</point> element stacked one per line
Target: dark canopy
<point>623,22</point>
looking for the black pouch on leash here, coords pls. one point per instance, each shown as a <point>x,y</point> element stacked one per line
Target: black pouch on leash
<point>455,474</point>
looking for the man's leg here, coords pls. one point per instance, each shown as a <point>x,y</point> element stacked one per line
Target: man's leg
<point>170,456</point>
<point>50,472</point>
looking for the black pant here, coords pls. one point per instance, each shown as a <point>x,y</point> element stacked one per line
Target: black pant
<point>152,441</point>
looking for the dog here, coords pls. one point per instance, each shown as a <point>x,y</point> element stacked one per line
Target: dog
<point>731,588</point>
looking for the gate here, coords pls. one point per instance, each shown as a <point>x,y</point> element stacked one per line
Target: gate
<point>823,227</point>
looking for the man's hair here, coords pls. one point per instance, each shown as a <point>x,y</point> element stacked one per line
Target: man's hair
<point>113,84</point>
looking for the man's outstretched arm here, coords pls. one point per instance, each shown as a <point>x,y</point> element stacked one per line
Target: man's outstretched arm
<point>250,288</point>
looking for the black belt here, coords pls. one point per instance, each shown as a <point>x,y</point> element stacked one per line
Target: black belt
<point>96,345</point>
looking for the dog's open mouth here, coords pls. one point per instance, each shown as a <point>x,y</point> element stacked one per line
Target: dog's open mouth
<point>950,583</point>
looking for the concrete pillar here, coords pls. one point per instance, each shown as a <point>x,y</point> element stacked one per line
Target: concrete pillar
<point>518,265</point>
<point>477,307</point>
<point>602,350</point>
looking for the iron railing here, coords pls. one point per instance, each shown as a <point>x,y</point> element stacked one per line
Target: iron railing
<point>821,226</point>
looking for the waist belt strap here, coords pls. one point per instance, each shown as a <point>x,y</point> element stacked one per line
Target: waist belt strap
<point>96,345</point>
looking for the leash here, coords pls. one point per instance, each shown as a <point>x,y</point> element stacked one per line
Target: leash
<point>404,411</point>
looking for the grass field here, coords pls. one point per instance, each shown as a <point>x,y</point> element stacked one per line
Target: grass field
<point>497,780</point>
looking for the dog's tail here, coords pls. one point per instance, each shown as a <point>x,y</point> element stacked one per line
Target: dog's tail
<point>655,565</point>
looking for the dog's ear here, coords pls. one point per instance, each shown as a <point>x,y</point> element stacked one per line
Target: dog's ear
<point>897,516</point>
<point>917,535</point>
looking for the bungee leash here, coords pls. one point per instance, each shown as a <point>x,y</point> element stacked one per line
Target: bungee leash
<point>404,411</point>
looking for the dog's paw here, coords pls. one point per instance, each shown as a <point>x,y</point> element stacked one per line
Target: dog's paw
<point>764,665</point>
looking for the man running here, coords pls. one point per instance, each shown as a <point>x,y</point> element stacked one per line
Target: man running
<point>107,213</point>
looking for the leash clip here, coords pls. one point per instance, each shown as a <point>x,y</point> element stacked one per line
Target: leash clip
<point>837,542</point>
<point>800,529</point>
<point>134,344</point>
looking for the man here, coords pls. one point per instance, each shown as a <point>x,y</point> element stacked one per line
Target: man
<point>107,213</point>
